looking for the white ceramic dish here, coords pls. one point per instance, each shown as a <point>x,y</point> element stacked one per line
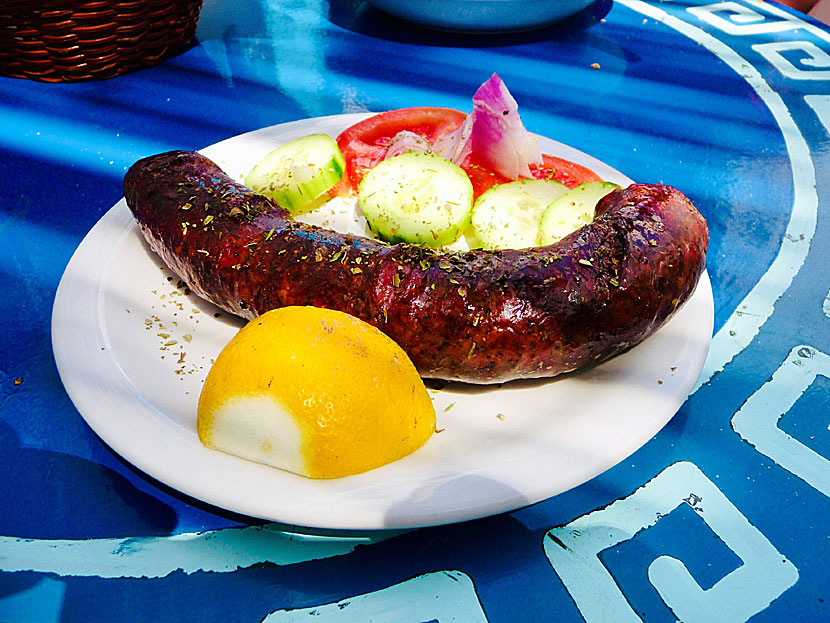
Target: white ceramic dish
<point>482,15</point>
<point>133,349</point>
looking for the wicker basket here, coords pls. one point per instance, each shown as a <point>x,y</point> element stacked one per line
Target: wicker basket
<point>74,40</point>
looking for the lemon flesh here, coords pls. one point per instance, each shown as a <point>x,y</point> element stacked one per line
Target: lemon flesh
<point>316,392</point>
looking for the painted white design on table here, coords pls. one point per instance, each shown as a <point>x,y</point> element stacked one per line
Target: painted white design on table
<point>221,550</point>
<point>821,106</point>
<point>442,596</point>
<point>574,550</point>
<point>811,59</point>
<point>745,322</point>
<point>734,18</point>
<point>757,420</point>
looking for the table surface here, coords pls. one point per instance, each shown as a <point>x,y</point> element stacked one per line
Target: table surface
<point>722,516</point>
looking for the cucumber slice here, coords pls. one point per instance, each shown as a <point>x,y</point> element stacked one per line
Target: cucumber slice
<point>418,198</point>
<point>507,216</point>
<point>571,211</point>
<point>298,173</point>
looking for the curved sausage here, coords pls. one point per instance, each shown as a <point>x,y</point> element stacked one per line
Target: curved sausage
<point>476,316</point>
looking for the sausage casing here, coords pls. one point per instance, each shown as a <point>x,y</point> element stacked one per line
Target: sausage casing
<point>476,316</point>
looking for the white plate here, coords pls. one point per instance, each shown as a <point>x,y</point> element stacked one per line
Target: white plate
<point>133,350</point>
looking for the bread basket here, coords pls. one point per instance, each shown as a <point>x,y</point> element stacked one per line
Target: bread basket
<point>76,40</point>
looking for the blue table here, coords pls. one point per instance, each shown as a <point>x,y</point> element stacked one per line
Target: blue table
<point>722,516</point>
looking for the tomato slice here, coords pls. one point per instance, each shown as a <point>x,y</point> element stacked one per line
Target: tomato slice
<point>569,173</point>
<point>552,168</point>
<point>482,177</point>
<point>365,143</point>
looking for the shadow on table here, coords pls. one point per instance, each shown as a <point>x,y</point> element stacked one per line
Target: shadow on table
<point>360,17</point>
<point>50,495</point>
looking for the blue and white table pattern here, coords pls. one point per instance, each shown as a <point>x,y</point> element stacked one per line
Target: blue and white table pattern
<point>722,516</point>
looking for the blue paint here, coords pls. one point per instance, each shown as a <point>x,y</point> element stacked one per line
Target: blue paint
<point>42,602</point>
<point>660,107</point>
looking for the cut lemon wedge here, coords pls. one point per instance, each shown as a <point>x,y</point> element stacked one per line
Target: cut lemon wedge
<point>316,392</point>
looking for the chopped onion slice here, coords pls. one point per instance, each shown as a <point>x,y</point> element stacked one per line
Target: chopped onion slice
<point>405,141</point>
<point>498,137</point>
<point>493,131</point>
<point>456,146</point>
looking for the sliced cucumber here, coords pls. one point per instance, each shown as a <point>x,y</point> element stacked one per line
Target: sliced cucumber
<point>418,198</point>
<point>507,216</point>
<point>298,173</point>
<point>571,211</point>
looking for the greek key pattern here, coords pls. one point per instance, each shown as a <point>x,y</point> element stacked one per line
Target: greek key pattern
<point>757,420</point>
<point>574,550</point>
<point>810,58</point>
<point>752,18</point>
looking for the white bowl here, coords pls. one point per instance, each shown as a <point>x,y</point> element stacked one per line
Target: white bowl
<point>482,15</point>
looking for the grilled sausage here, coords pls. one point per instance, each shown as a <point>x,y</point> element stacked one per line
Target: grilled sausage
<point>477,316</point>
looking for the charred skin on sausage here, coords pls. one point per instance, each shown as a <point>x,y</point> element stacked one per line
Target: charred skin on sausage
<point>477,316</point>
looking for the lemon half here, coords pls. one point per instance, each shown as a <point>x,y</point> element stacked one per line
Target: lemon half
<point>314,391</point>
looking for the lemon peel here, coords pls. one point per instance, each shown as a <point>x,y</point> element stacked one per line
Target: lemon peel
<point>314,391</point>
